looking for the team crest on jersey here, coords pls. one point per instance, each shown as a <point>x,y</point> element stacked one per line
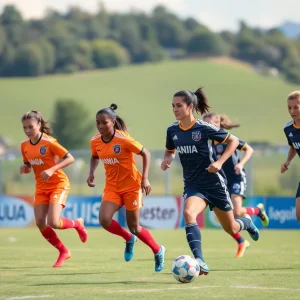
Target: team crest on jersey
<point>117,149</point>
<point>196,136</point>
<point>42,150</point>
<point>219,148</point>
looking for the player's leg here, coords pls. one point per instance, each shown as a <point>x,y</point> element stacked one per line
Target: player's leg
<point>41,210</point>
<point>111,203</point>
<point>193,206</point>
<point>57,203</point>
<point>239,210</point>
<point>233,225</point>
<point>54,222</point>
<point>133,202</point>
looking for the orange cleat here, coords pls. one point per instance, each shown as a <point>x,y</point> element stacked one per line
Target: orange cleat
<point>242,248</point>
<point>82,232</point>
<point>64,255</point>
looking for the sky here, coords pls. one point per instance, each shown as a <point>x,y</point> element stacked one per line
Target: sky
<point>216,14</point>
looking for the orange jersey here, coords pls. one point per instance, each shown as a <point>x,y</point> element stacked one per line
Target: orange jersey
<point>42,156</point>
<point>117,157</point>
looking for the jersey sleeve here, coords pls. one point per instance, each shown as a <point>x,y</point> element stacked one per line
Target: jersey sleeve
<point>217,134</point>
<point>93,149</point>
<point>242,145</point>
<point>132,145</point>
<point>288,139</point>
<point>25,160</point>
<point>58,149</point>
<point>169,142</point>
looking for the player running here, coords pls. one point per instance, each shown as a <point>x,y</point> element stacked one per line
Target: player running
<point>124,183</point>
<point>203,183</point>
<point>236,177</point>
<point>42,153</point>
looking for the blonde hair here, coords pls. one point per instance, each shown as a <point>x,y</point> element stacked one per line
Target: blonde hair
<point>294,95</point>
<point>35,114</point>
<point>226,123</point>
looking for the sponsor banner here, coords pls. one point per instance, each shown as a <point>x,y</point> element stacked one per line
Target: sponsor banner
<point>163,212</point>
<point>16,211</point>
<point>85,207</point>
<point>282,213</point>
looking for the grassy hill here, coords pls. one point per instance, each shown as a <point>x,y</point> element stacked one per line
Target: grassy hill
<point>144,93</point>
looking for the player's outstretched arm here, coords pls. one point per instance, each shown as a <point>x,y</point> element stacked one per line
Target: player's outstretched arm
<point>248,154</point>
<point>94,162</point>
<point>291,155</point>
<point>168,158</point>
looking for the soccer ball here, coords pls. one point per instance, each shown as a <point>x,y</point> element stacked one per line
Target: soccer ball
<point>185,269</point>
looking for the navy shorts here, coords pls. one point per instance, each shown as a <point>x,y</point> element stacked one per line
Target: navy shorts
<point>217,197</point>
<point>298,191</point>
<point>238,187</point>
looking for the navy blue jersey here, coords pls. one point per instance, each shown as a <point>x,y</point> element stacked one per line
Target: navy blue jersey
<point>293,135</point>
<point>195,151</point>
<point>231,162</point>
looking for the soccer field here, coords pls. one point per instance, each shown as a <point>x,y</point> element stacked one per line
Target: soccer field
<point>270,268</point>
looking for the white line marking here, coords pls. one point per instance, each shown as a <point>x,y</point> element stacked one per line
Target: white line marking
<point>204,287</point>
<point>29,297</point>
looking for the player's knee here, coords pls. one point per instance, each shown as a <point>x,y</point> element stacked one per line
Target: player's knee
<point>134,228</point>
<point>189,215</point>
<point>40,223</point>
<point>104,222</point>
<point>238,212</point>
<point>54,223</point>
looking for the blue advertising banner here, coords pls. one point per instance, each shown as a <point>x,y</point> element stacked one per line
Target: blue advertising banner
<point>83,207</point>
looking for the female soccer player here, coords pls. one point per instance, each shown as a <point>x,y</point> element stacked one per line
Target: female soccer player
<point>41,152</point>
<point>236,177</point>
<point>292,132</point>
<point>203,184</point>
<point>124,183</point>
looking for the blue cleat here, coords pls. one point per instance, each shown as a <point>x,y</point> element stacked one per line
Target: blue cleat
<point>203,266</point>
<point>252,229</point>
<point>159,259</point>
<point>128,253</point>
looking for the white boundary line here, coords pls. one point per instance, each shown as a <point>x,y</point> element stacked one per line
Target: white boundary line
<point>29,297</point>
<point>205,287</point>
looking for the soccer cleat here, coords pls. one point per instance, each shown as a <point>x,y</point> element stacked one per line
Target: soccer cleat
<point>242,248</point>
<point>82,231</point>
<point>159,259</point>
<point>64,255</point>
<point>252,230</point>
<point>204,270</point>
<point>263,217</point>
<point>128,253</point>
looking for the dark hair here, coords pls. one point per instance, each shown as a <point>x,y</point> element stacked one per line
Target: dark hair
<point>110,111</point>
<point>198,99</point>
<point>210,115</point>
<point>35,114</point>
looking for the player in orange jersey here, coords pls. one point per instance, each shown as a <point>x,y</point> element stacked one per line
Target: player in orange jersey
<point>42,153</point>
<point>124,183</point>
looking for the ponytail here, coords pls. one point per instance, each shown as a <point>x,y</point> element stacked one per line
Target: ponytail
<point>35,114</point>
<point>226,123</point>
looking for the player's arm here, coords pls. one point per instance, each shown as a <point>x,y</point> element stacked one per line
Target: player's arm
<point>94,162</point>
<point>169,153</point>
<point>291,154</point>
<point>222,136</point>
<point>146,155</point>
<point>26,167</point>
<point>247,155</point>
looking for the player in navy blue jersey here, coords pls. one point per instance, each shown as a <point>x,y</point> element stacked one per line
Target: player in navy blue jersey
<point>292,132</point>
<point>203,183</point>
<point>236,177</point>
